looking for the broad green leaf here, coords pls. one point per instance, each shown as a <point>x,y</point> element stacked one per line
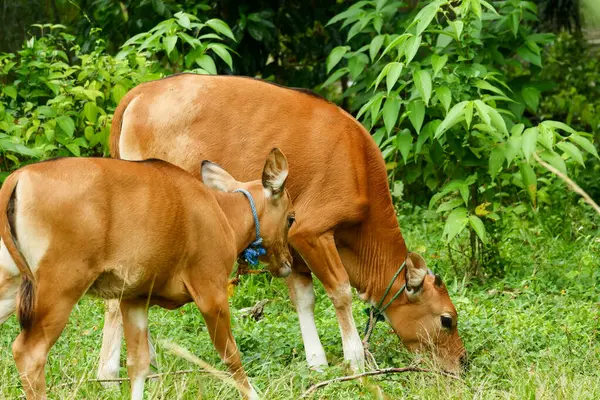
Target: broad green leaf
<point>73,148</point>
<point>458,28</point>
<point>517,129</point>
<point>485,85</point>
<point>584,143</point>
<point>375,46</point>
<point>335,56</point>
<point>117,92</point>
<point>444,95</point>
<point>375,107</point>
<point>393,74</point>
<point>207,63</point>
<point>356,65</point>
<point>529,142</point>
<point>90,110</point>
<point>572,151</point>
<point>368,104</point>
<point>10,91</point>
<point>478,227</point>
<point>449,205</point>
<point>513,147</point>
<point>335,76</point>
<point>559,125</point>
<point>183,20</point>
<point>391,109</point>
<point>416,114</point>
<point>555,160</point>
<point>412,46</point>
<point>404,143</point>
<point>529,180</point>
<point>382,75</point>
<point>169,42</point>
<point>397,42</point>
<point>221,27</point>
<point>482,112</point>
<point>349,13</point>
<point>66,124</point>
<point>438,62</point>
<point>476,6</point>
<point>88,132</point>
<point>426,15</point>
<point>497,158</point>
<point>454,116</point>
<point>531,96</point>
<point>546,136</point>
<point>497,120</point>
<point>423,83</point>
<point>456,223</point>
<point>222,52</point>
<point>469,114</point>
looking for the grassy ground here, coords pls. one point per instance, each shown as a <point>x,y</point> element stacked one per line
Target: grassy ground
<point>532,334</point>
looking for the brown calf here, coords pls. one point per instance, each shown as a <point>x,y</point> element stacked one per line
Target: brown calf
<point>143,232</point>
<point>347,231</point>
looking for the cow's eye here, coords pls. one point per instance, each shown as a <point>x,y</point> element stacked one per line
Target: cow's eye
<point>291,219</point>
<point>446,321</point>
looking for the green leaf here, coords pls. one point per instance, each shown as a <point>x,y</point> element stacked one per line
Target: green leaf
<point>88,132</point>
<point>529,56</point>
<point>529,180</point>
<point>444,95</point>
<point>555,160</point>
<point>438,63</point>
<point>456,223</point>
<point>559,125</point>
<point>221,27</point>
<point>335,56</point>
<point>404,143</point>
<point>572,151</point>
<point>529,142</point>
<point>222,52</point>
<point>482,112</point>
<point>375,46</point>
<point>183,20</point>
<point>469,114</point>
<point>449,205</point>
<point>546,136</point>
<point>584,143</point>
<point>497,158</point>
<point>207,63</point>
<point>368,104</point>
<point>478,227</point>
<point>497,120</point>
<point>73,148</point>
<point>531,96</point>
<point>66,124</point>
<point>90,110</point>
<point>423,83</point>
<point>357,64</point>
<point>416,114</point>
<point>426,15</point>
<point>169,42</point>
<point>454,116</point>
<point>458,28</point>
<point>391,109</point>
<point>117,92</point>
<point>10,91</point>
<point>517,129</point>
<point>485,85</point>
<point>335,76</point>
<point>513,147</point>
<point>412,46</point>
<point>393,74</point>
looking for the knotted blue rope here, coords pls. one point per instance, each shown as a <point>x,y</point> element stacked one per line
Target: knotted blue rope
<point>254,249</point>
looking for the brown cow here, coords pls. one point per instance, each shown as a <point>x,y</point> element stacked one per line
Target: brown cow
<point>347,231</point>
<point>143,232</point>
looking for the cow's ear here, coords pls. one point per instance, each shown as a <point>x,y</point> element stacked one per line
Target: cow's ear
<point>217,178</point>
<point>275,173</point>
<point>416,270</point>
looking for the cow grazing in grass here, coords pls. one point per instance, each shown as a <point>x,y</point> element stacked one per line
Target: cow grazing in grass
<point>143,232</point>
<point>347,231</point>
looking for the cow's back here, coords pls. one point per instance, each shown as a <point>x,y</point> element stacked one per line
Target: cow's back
<point>236,121</point>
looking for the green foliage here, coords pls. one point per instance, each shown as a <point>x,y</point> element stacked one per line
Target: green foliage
<point>446,116</point>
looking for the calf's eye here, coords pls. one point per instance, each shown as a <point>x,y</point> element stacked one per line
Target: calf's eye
<point>446,321</point>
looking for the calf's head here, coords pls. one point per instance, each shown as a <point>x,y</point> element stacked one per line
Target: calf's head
<point>274,206</point>
<point>425,318</point>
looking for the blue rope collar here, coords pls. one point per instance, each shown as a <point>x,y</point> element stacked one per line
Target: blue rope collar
<point>256,248</point>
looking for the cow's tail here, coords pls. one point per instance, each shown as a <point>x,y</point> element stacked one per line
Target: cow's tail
<point>117,123</point>
<point>27,291</point>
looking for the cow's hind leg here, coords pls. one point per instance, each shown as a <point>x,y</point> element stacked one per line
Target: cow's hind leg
<point>324,260</point>
<point>9,284</point>
<point>30,349</point>
<point>300,285</point>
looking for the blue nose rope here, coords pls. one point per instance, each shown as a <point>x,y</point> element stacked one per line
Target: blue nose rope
<point>256,248</point>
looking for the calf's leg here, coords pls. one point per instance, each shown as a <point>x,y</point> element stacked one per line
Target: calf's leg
<point>302,293</point>
<point>135,326</point>
<point>9,284</point>
<point>322,257</point>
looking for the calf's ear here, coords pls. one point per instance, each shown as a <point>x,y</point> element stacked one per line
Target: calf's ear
<point>416,269</point>
<point>217,178</point>
<point>275,173</point>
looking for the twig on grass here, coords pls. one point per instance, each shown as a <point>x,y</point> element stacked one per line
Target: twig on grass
<point>574,187</point>
<point>371,373</point>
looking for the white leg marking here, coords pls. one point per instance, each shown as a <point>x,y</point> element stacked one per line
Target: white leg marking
<point>351,342</point>
<point>8,284</point>
<point>305,306</point>
<point>110,353</point>
<point>137,387</point>
<point>252,395</point>
<point>139,318</point>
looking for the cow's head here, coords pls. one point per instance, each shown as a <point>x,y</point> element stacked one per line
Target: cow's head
<point>425,318</point>
<point>275,215</point>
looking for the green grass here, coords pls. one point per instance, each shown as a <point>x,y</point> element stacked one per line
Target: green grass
<point>531,334</point>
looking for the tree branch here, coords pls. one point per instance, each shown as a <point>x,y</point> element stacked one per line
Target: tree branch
<point>574,187</point>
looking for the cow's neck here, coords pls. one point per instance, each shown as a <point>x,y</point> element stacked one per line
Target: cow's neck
<point>236,208</point>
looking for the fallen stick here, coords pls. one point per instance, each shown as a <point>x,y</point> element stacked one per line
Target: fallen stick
<point>575,187</point>
<point>371,373</point>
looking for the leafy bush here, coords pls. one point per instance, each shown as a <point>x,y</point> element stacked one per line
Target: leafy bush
<point>434,90</point>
